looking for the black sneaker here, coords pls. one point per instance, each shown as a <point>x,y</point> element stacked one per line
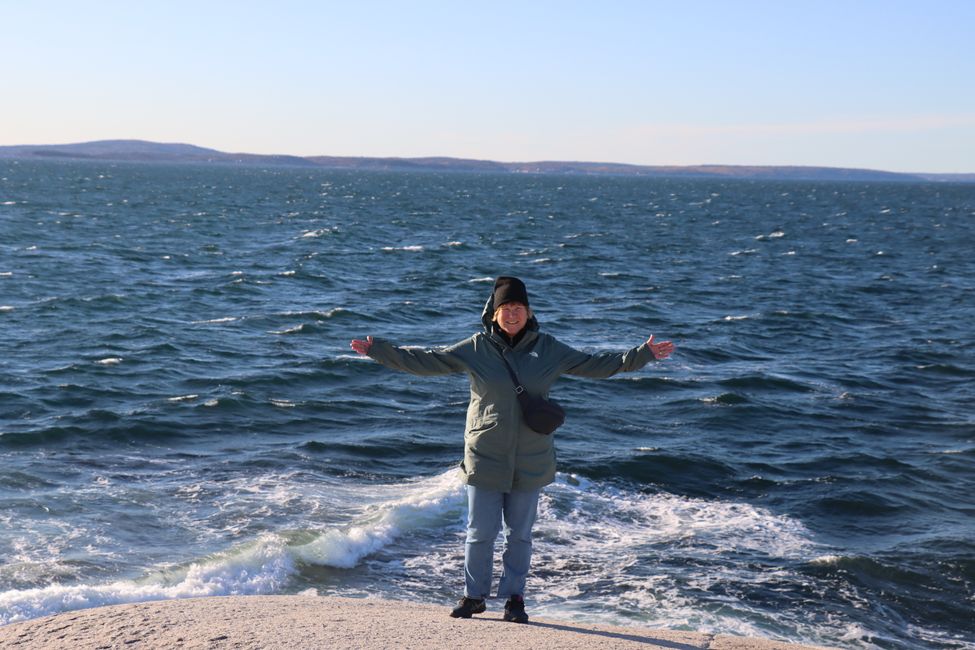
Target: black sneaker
<point>467,607</point>
<point>514,610</point>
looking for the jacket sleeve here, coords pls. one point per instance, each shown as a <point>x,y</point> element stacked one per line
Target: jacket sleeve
<point>604,364</point>
<point>417,361</point>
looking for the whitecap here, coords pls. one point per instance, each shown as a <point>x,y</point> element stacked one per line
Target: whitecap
<point>479,280</point>
<point>6,274</point>
<point>109,361</point>
<point>283,403</point>
<point>6,307</point>
<point>9,203</point>
<point>290,330</point>
<point>454,243</point>
<point>414,248</point>
<point>420,504</point>
<point>215,321</point>
<point>734,318</point>
<point>183,398</point>
<point>287,274</point>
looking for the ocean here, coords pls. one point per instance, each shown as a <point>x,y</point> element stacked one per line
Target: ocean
<point>181,415</point>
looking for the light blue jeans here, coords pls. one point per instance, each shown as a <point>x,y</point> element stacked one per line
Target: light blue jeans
<point>486,511</point>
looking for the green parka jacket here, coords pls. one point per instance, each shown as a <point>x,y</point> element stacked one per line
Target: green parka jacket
<point>500,451</point>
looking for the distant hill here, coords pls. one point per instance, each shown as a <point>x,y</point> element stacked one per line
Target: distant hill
<point>143,151</point>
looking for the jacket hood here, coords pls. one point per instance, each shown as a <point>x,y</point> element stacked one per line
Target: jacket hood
<point>487,317</point>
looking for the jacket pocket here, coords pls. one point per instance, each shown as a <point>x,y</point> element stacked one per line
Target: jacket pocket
<point>480,423</point>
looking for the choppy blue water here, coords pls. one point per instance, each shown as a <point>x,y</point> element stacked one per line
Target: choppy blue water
<point>180,413</point>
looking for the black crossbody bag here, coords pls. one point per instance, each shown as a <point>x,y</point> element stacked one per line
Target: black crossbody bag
<point>541,415</point>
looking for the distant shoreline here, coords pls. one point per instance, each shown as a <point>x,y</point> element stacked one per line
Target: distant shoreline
<point>155,152</point>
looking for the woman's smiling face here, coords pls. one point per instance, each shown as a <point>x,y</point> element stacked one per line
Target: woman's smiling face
<point>511,317</point>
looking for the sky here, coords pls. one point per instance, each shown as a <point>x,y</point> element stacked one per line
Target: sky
<point>842,83</point>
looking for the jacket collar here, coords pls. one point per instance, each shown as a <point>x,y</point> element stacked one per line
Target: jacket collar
<point>525,342</point>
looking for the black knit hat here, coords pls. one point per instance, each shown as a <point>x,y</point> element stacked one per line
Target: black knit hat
<point>508,289</point>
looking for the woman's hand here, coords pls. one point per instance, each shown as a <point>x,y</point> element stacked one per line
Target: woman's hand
<point>362,347</point>
<point>660,350</point>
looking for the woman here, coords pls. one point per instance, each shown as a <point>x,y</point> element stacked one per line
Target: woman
<point>506,463</point>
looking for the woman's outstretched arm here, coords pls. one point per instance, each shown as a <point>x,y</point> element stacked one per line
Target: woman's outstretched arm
<point>415,361</point>
<point>607,364</point>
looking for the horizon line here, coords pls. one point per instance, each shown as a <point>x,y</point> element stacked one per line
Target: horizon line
<point>635,166</point>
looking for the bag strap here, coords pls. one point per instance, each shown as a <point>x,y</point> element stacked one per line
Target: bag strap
<point>519,389</point>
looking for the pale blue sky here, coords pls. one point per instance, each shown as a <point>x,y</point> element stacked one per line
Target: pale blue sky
<point>876,84</point>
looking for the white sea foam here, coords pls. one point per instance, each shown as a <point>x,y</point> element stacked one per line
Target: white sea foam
<point>624,518</point>
<point>354,357</point>
<point>480,280</point>
<point>256,568</point>
<point>6,307</point>
<point>403,248</point>
<point>265,564</point>
<point>183,398</point>
<point>581,524</point>
<point>290,330</point>
<point>594,543</point>
<point>6,274</point>
<point>216,321</point>
<point>283,403</point>
<point>109,361</point>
